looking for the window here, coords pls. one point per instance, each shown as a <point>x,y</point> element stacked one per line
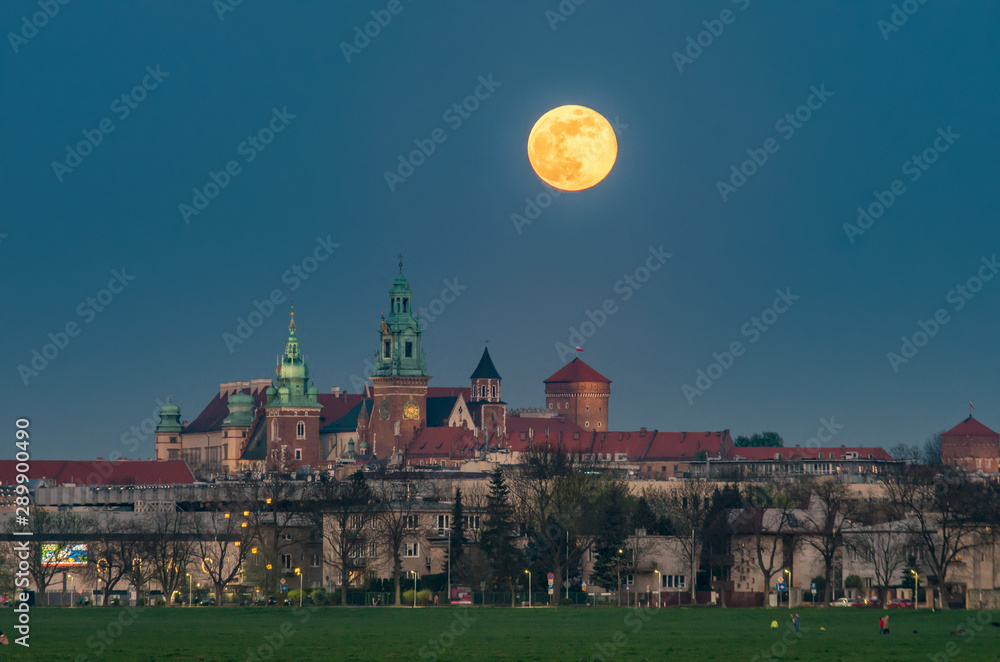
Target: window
<point>409,349</point>
<point>173,440</point>
<point>286,561</point>
<point>443,521</point>
<point>410,521</point>
<point>386,349</point>
<point>286,536</point>
<point>300,430</point>
<point>406,306</point>
<point>673,581</point>
<point>587,424</point>
<point>494,387</point>
<point>298,453</point>
<point>315,561</point>
<point>979,463</point>
<point>471,522</point>
<point>411,550</point>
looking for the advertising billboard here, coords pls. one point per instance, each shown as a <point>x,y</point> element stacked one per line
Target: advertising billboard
<point>64,555</point>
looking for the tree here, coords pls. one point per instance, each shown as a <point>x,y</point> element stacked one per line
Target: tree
<point>223,543</point>
<point>112,553</point>
<point>609,546</point>
<point>759,439</point>
<point>395,499</point>
<point>498,534</point>
<point>170,549</point>
<point>769,522</point>
<point>932,450</point>
<point>825,517</point>
<point>717,534</point>
<point>46,527</point>
<point>943,513</point>
<point>687,507</point>
<point>346,508</point>
<point>458,540</point>
<point>884,546</point>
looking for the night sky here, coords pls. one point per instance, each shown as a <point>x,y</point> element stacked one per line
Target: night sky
<point>833,102</point>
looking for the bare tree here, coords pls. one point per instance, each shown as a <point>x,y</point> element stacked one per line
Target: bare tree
<point>170,549</point>
<point>885,547</point>
<point>825,518</point>
<point>770,523</point>
<point>346,514</point>
<point>51,530</point>
<point>111,553</point>
<point>395,499</point>
<point>687,507</point>
<point>222,543</point>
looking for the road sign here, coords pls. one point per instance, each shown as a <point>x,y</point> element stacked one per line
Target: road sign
<point>551,590</point>
<point>584,585</point>
<point>552,580</point>
<point>781,586</point>
<point>813,586</point>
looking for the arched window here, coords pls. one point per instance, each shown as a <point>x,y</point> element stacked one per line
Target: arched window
<point>300,430</point>
<point>494,390</point>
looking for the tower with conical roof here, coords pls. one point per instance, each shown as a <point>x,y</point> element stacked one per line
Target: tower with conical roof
<point>168,432</point>
<point>581,394</point>
<point>488,410</point>
<point>292,410</point>
<point>400,377</point>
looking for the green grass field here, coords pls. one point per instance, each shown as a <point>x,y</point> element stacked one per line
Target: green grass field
<point>453,633</point>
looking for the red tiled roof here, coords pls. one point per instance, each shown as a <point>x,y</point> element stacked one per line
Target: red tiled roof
<point>102,472</point>
<point>449,391</point>
<point>970,427</point>
<point>215,412</point>
<point>453,443</point>
<point>336,407</point>
<point>577,371</point>
<point>546,430</point>
<point>762,453</point>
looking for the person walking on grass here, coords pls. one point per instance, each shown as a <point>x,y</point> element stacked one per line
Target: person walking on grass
<point>795,621</point>
<point>881,625</point>
<point>885,624</point>
<point>774,625</point>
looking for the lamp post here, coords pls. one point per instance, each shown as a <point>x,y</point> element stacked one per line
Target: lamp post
<point>190,589</point>
<point>916,589</point>
<point>659,582</point>
<point>618,567</point>
<point>414,573</point>
<point>449,565</point>
<point>788,588</point>
<point>298,571</point>
<point>528,572</point>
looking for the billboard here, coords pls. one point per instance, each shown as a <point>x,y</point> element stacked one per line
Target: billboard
<point>63,555</point>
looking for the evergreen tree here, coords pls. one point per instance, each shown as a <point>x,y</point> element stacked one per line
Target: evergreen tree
<point>610,555</point>
<point>458,540</point>
<point>498,534</point>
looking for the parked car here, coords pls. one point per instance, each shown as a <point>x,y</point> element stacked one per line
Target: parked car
<point>867,602</point>
<point>207,601</point>
<point>898,603</point>
<point>841,602</point>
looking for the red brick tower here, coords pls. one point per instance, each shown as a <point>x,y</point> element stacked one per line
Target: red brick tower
<point>581,394</point>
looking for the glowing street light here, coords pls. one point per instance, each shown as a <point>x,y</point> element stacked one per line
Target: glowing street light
<point>788,588</point>
<point>298,571</point>
<point>916,588</point>
<point>190,589</point>
<point>414,573</point>
<point>529,586</point>
<point>659,582</point>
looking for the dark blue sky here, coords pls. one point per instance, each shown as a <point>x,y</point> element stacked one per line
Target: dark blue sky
<point>884,96</point>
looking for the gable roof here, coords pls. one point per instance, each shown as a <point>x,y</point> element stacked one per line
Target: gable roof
<point>102,472</point>
<point>485,369</point>
<point>577,371</point>
<point>970,427</point>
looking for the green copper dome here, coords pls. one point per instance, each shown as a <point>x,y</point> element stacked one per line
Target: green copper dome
<point>170,417</point>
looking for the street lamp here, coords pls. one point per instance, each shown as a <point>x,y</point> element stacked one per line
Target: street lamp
<point>298,571</point>
<point>190,588</point>
<point>916,588</point>
<point>414,573</point>
<point>788,588</point>
<point>528,572</point>
<point>618,566</point>
<point>659,582</point>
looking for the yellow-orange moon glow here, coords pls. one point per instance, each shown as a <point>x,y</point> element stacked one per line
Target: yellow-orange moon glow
<point>572,148</point>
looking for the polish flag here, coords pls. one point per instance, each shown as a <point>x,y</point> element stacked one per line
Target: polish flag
<point>579,349</point>
<point>971,406</point>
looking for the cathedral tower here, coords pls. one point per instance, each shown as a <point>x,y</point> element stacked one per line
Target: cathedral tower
<point>487,408</point>
<point>400,378</point>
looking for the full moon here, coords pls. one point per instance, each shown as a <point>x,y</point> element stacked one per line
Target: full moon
<point>572,148</point>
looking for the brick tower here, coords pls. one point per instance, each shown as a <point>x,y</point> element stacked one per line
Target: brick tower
<point>581,394</point>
